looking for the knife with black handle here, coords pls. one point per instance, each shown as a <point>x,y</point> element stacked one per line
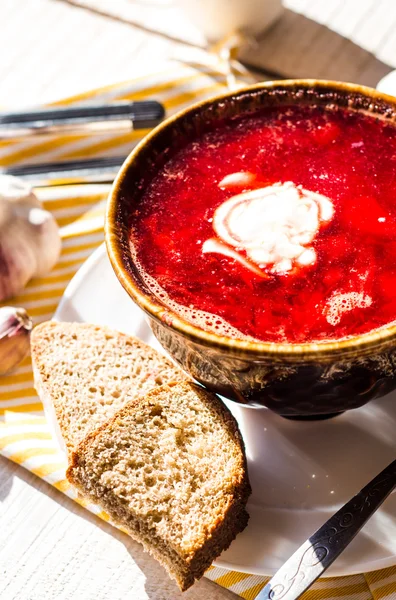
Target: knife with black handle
<point>85,118</point>
<point>92,170</point>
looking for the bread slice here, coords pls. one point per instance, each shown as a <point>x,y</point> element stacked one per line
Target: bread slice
<point>86,373</point>
<point>171,469</point>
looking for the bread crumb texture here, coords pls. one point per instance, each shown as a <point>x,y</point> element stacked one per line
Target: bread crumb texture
<point>90,372</point>
<point>171,469</point>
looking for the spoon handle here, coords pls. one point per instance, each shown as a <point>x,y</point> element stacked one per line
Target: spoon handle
<point>317,553</point>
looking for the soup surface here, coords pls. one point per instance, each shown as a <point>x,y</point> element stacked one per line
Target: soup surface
<point>279,226</point>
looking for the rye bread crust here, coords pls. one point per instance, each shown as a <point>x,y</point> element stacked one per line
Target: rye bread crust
<point>222,530</point>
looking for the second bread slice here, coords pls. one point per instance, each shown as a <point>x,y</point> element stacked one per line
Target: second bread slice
<point>171,469</point>
<point>87,373</point>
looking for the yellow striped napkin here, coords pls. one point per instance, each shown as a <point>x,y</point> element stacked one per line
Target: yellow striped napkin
<point>24,434</point>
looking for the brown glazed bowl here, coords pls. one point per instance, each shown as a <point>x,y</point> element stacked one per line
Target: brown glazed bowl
<point>294,380</point>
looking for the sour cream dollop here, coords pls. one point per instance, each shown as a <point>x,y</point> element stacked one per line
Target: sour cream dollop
<point>270,228</point>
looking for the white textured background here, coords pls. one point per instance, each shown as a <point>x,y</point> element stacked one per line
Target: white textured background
<point>50,548</point>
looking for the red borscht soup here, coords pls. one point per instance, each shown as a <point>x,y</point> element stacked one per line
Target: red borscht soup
<point>279,226</point>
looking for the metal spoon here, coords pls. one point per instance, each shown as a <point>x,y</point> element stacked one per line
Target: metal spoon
<point>320,550</point>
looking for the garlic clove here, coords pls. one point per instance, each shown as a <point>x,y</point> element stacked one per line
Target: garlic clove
<point>14,188</point>
<point>15,328</point>
<point>30,243</point>
<point>48,242</point>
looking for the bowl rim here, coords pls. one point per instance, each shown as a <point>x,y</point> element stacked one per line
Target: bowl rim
<point>361,344</point>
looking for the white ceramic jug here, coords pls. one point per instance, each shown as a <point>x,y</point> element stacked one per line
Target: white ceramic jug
<point>219,18</point>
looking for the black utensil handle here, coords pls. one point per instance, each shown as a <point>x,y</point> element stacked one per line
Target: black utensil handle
<point>144,114</point>
<point>95,170</point>
<point>312,559</point>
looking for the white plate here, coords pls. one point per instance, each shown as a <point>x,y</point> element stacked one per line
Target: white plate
<point>301,472</point>
<point>387,84</point>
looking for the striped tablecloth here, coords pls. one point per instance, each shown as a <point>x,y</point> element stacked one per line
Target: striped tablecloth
<point>24,433</point>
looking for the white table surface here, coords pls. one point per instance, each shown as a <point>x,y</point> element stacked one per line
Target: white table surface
<point>50,548</point>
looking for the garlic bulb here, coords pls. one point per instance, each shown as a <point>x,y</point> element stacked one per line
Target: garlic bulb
<point>29,237</point>
<point>15,328</point>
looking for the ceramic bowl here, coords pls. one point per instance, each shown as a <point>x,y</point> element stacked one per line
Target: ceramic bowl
<point>294,380</point>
